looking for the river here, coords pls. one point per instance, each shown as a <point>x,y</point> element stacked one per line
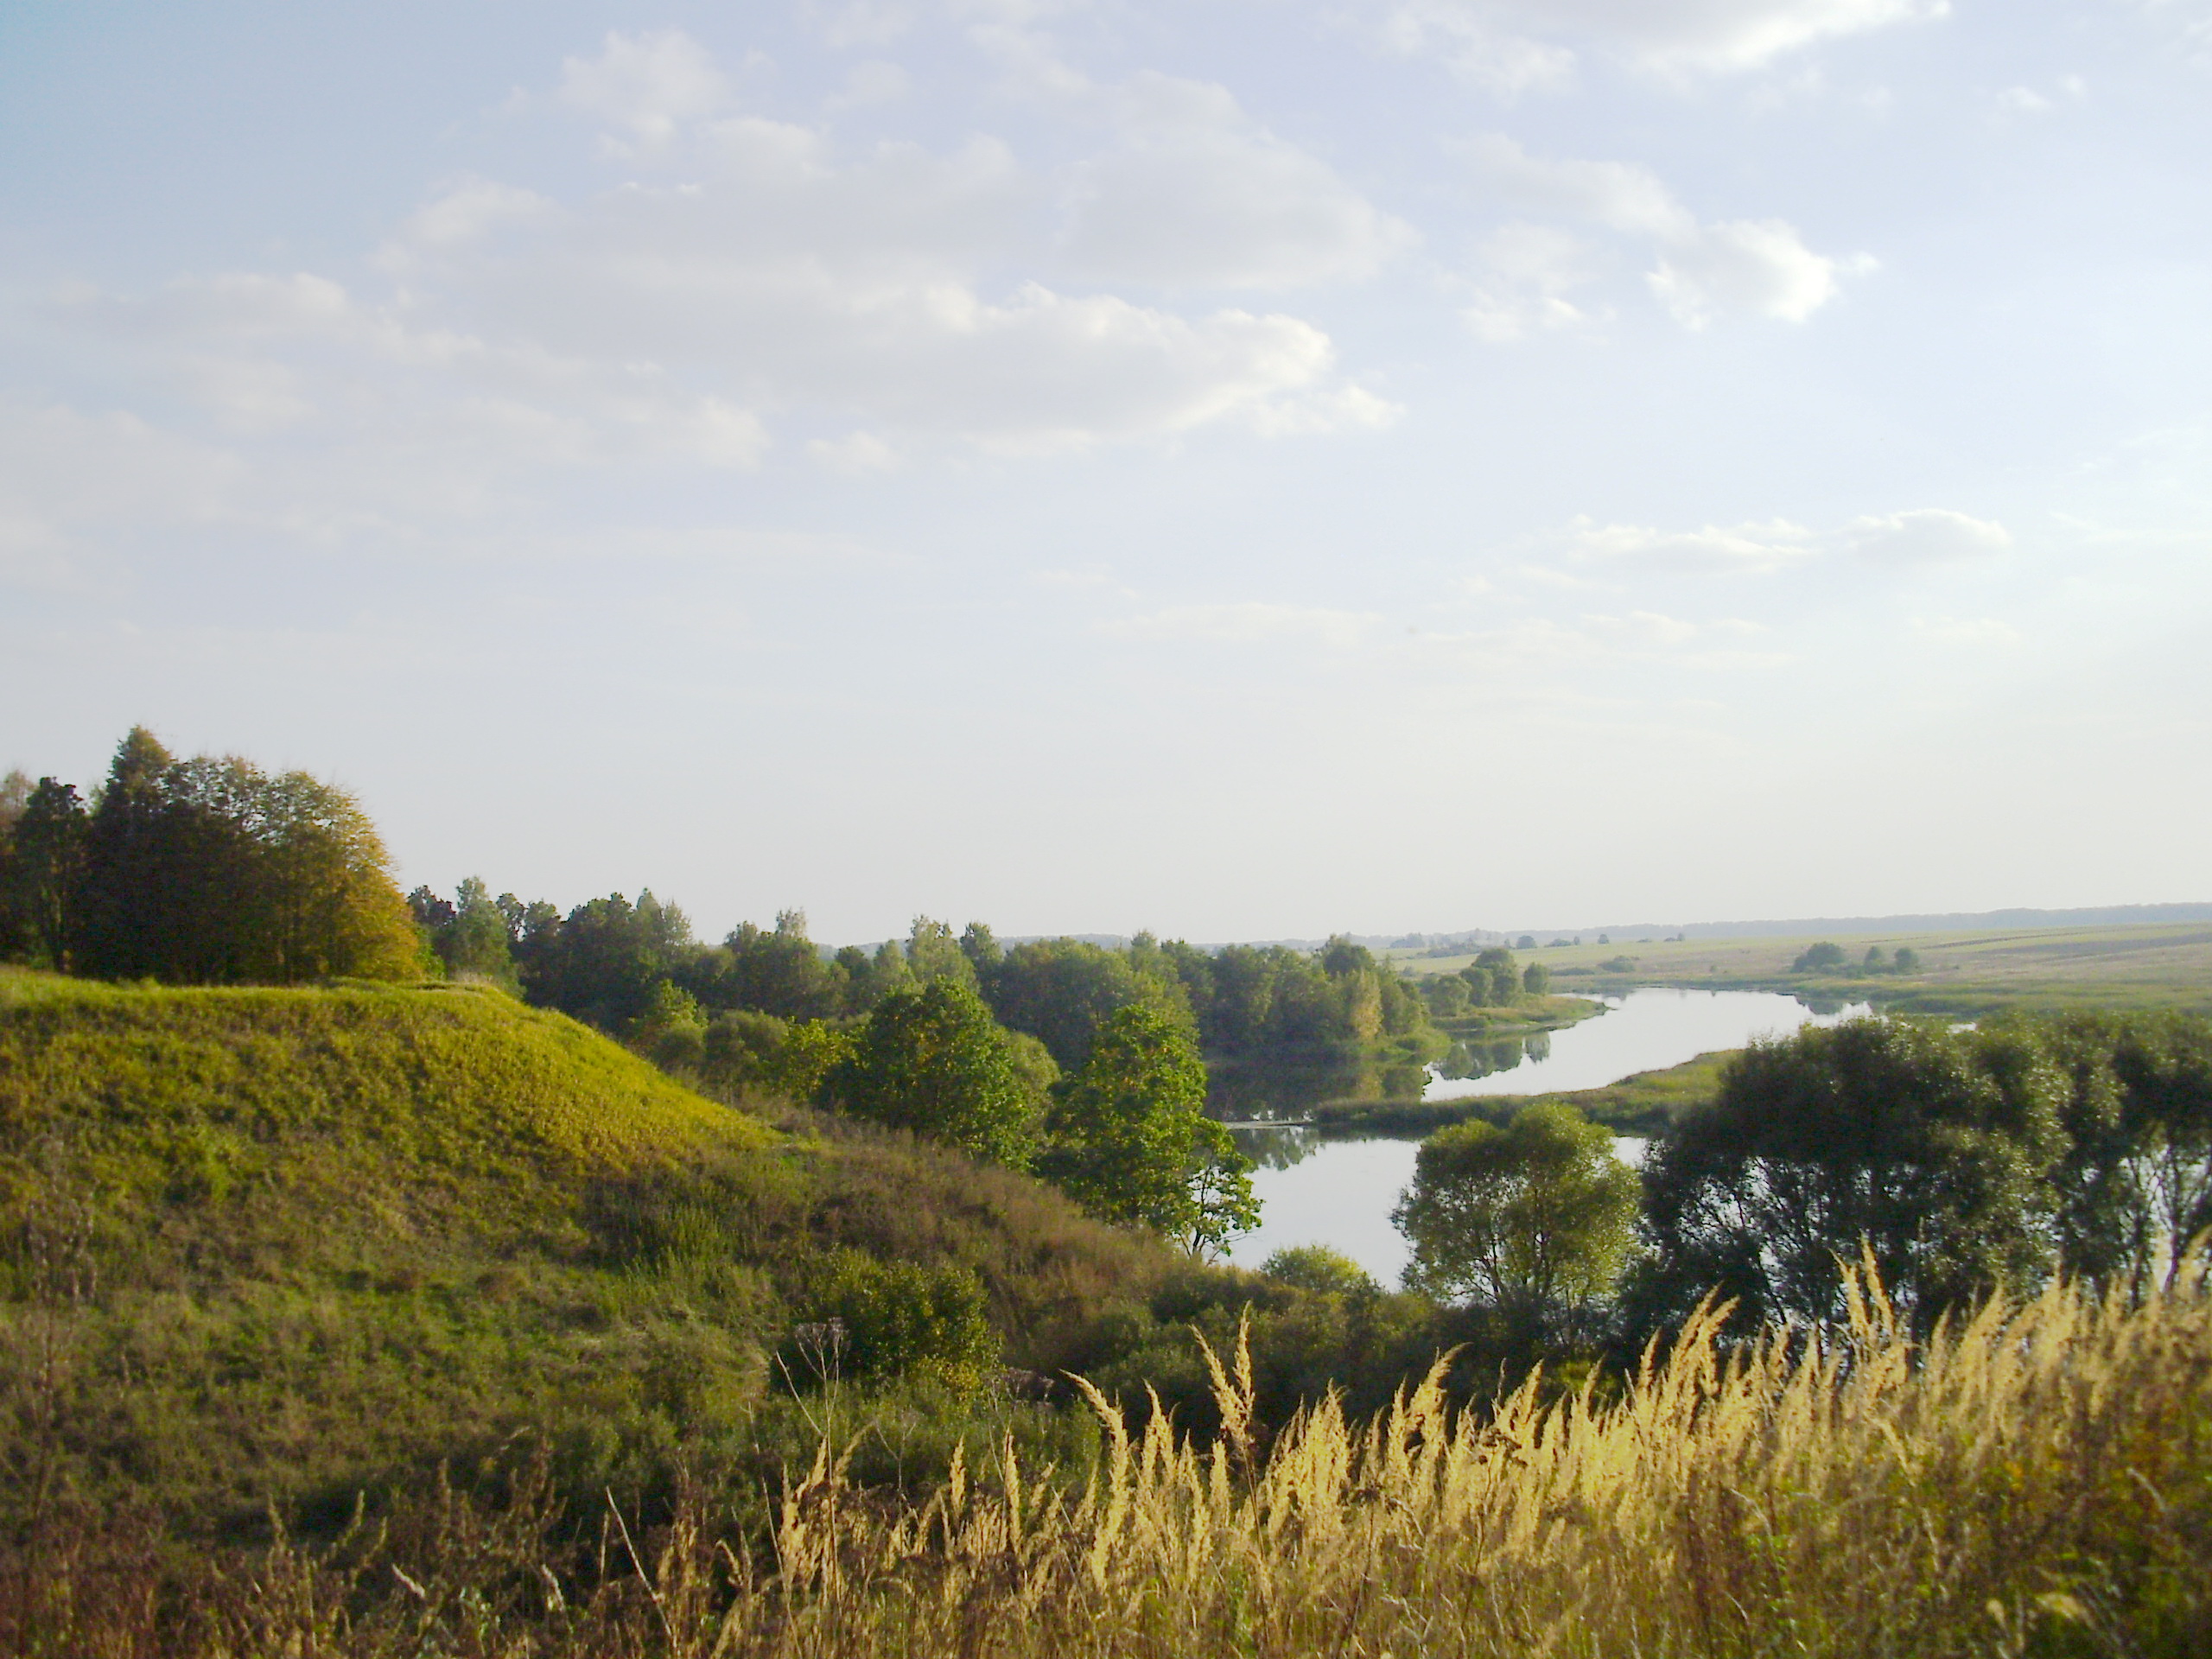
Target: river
<point>1340,1192</point>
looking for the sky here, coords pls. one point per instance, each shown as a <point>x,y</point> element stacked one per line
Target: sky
<point>1245,468</point>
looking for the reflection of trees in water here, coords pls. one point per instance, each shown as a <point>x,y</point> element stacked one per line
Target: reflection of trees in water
<point>1273,1147</point>
<point>1286,1088</point>
<point>1480,1060</point>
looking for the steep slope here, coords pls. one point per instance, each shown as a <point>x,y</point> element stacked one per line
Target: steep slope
<point>284,1244</point>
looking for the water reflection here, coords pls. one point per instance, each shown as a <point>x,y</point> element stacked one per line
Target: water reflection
<point>1276,1146</point>
<point>1340,1191</point>
<point>1481,1059</point>
<point>1255,1091</point>
<point>1644,1031</point>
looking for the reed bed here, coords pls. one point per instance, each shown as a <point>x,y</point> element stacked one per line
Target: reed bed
<point>2036,1479</point>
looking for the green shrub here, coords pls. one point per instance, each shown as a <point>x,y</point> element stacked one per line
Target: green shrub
<point>897,1319</point>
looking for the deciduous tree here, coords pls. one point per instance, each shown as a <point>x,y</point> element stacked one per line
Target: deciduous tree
<point>934,1062</point>
<point>1131,1141</point>
<point>1930,1149</point>
<point>1535,1219</point>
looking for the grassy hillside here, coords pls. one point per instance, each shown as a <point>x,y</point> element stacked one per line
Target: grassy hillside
<point>287,1245</point>
<point>2034,1480</point>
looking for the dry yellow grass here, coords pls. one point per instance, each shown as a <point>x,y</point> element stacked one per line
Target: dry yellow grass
<point>2039,1479</point>
<point>2035,1480</point>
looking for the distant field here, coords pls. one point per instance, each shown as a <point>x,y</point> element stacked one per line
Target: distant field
<point>2168,965</point>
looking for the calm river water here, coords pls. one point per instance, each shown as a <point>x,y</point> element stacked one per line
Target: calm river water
<point>1340,1192</point>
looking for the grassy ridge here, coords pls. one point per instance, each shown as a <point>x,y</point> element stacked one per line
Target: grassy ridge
<point>282,1245</point>
<point>293,1088</point>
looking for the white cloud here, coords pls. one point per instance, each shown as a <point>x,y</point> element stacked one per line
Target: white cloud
<point>791,275</point>
<point>1633,637</point>
<point>258,352</point>
<point>470,208</point>
<point>2027,101</point>
<point>1749,267</point>
<point>1926,535</point>
<point>854,453</point>
<point>1476,45</point>
<point>1526,273</point>
<point>859,23</point>
<point>1510,46</point>
<point>1250,623</point>
<point>872,83</point>
<point>1342,409</point>
<point>71,482</point>
<point>648,85</point>
<point>2190,23</point>
<point>1758,268</point>
<point>681,322</point>
<point>1984,630</point>
<point>1199,194</point>
<point>1619,195</point>
<point>1748,548</point>
<point>1922,536</point>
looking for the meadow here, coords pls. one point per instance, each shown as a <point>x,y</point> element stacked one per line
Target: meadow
<point>2034,1480</point>
<point>1967,974</point>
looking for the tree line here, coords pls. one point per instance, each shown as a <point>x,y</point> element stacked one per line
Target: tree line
<point>205,871</point>
<point>1082,1065</point>
<point>1959,1163</point>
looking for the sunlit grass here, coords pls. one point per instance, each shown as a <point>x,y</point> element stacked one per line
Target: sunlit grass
<point>2037,1480</point>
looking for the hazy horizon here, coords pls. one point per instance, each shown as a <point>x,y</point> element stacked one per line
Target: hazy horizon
<point>1241,468</point>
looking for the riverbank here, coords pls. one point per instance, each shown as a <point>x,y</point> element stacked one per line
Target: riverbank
<point>1971,975</point>
<point>1523,1019</point>
<point>1645,1104</point>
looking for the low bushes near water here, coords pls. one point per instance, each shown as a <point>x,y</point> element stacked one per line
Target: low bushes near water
<point>2035,1479</point>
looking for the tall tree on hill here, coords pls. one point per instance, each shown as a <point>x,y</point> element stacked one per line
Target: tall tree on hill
<point>980,947</point>
<point>121,928</point>
<point>1062,991</point>
<point>15,934</point>
<point>478,943</point>
<point>45,868</point>
<point>328,904</point>
<point>776,971</point>
<point>933,952</point>
<point>209,872</point>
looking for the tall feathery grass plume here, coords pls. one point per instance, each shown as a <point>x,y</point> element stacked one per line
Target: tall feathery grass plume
<point>2035,1478</point>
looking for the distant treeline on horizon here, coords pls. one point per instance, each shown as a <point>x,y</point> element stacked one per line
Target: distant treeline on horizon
<point>1798,927</point>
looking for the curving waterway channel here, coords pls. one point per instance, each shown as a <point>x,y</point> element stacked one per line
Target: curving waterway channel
<point>1340,1192</point>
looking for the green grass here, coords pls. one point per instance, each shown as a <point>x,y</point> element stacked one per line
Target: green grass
<point>287,1245</point>
<point>1645,1104</point>
<point>1530,1014</point>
